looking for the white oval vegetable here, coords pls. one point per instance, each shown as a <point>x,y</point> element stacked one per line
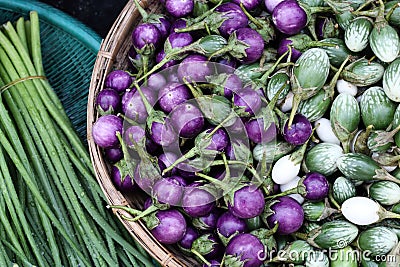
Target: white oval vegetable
<point>284,170</point>
<point>290,185</point>
<point>361,210</point>
<point>346,87</point>
<point>325,132</point>
<point>288,102</point>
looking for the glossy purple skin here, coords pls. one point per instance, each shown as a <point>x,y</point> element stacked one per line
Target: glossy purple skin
<point>165,160</point>
<point>135,108</point>
<point>289,18</point>
<point>248,4</point>
<point>317,186</point>
<point>108,99</point>
<point>156,81</point>
<point>288,213</point>
<point>226,65</point>
<point>257,133</point>
<point>151,146</point>
<point>134,132</point>
<point>118,80</point>
<point>190,236</point>
<point>163,134</point>
<point>219,140</point>
<point>171,228</point>
<point>163,27</point>
<point>104,131</point>
<point>217,248</point>
<point>146,34</point>
<point>179,8</point>
<point>194,68</point>
<point>271,4</point>
<point>172,95</point>
<point>178,40</point>
<point>255,42</point>
<point>188,121</point>
<point>232,84</point>
<point>249,99</point>
<point>160,56</point>
<point>123,184</point>
<point>147,203</point>
<point>173,77</point>
<point>113,154</point>
<point>214,263</point>
<point>248,247</point>
<point>299,132</point>
<point>236,18</point>
<point>248,202</point>
<point>209,221</point>
<point>197,202</point>
<point>168,190</point>
<point>125,99</point>
<point>228,224</point>
<point>178,24</point>
<point>283,47</point>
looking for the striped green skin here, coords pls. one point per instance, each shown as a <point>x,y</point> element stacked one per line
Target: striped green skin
<point>377,240</point>
<point>322,158</point>
<point>345,257</point>
<point>311,69</point>
<point>373,145</point>
<point>337,54</point>
<point>332,234</point>
<point>315,107</point>
<point>363,72</point>
<point>384,42</point>
<point>396,122</point>
<point>357,167</point>
<point>376,108</point>
<point>385,192</point>
<point>391,81</point>
<point>356,35</point>
<point>344,19</point>
<point>297,251</point>
<point>317,259</point>
<point>394,19</point>
<point>368,263</point>
<point>344,116</point>
<point>343,189</point>
<point>313,211</point>
<point>275,83</point>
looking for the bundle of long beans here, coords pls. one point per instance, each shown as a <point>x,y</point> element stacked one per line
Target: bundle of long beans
<point>52,210</point>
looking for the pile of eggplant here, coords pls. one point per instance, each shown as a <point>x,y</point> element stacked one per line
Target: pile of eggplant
<point>262,133</point>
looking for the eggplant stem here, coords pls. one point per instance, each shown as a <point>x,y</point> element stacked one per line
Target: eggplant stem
<point>212,180</point>
<point>250,17</point>
<point>191,153</point>
<point>146,212</point>
<point>195,252</point>
<point>390,12</point>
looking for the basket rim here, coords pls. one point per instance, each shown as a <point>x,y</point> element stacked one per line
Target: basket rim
<point>106,57</point>
<point>56,18</point>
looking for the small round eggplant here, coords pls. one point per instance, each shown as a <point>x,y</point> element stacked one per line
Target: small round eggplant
<point>171,226</point>
<point>190,236</point>
<point>197,202</point>
<point>168,190</point>
<point>249,100</point>
<point>135,134</point>
<point>165,160</point>
<point>245,249</point>
<point>248,202</point>
<point>113,154</point>
<point>134,107</point>
<point>228,224</point>
<point>118,80</point>
<point>195,68</point>
<point>299,132</point>
<point>104,131</point>
<point>289,17</point>
<point>156,81</point>
<point>258,133</point>
<point>108,101</point>
<point>123,184</point>
<point>179,8</point>
<point>235,18</point>
<point>255,44</point>
<point>271,4</point>
<point>172,95</point>
<point>146,34</point>
<point>187,120</point>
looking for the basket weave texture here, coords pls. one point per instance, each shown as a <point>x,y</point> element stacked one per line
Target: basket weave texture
<point>113,55</point>
<point>69,51</point>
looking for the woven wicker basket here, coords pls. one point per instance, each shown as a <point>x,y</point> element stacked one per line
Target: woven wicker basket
<point>113,55</point>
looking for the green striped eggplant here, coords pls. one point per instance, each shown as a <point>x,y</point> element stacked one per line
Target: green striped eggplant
<point>377,240</point>
<point>317,211</point>
<point>356,35</point>
<point>315,107</point>
<point>376,108</point>
<point>391,80</point>
<point>363,72</point>
<point>345,117</point>
<point>396,123</point>
<point>344,257</point>
<point>317,259</point>
<point>385,192</point>
<point>322,158</point>
<point>276,82</point>
<point>343,189</point>
<point>337,54</point>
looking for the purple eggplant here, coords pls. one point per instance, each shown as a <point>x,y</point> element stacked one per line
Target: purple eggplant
<point>260,131</point>
<point>207,222</point>
<point>299,132</point>
<point>234,18</point>
<point>283,47</point>
<point>179,8</point>
<point>178,24</point>
<point>108,101</point>
<point>228,225</point>
<point>113,154</point>
<point>158,20</point>
<point>289,17</point>
<point>118,80</point>
<point>271,4</point>
<point>160,57</point>
<point>165,160</point>
<point>249,100</point>
<point>160,129</point>
<point>170,226</point>
<point>247,202</point>
<point>105,129</point>
<point>212,263</point>
<point>156,81</point>
<point>178,40</point>
<point>190,236</point>
<point>255,44</point>
<point>248,4</point>
<point>134,107</point>
<point>133,134</point>
<point>285,211</point>
<point>146,36</point>
<point>197,201</point>
<point>168,190</point>
<point>207,247</point>
<point>225,83</point>
<point>172,95</point>
<point>194,68</point>
<point>187,120</point>
<point>244,249</point>
<point>121,179</point>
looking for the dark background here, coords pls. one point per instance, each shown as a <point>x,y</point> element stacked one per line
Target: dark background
<point>97,14</point>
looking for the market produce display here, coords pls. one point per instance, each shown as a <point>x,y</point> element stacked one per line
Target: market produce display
<point>260,133</point>
<point>52,210</point>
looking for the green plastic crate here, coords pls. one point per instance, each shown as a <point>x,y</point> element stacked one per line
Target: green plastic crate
<point>69,51</point>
